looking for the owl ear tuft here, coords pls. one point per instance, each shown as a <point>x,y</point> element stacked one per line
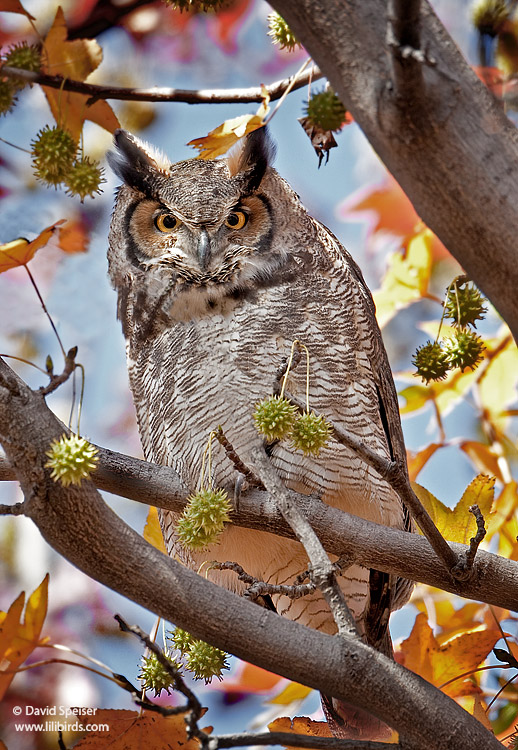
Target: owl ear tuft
<point>249,164</point>
<point>133,162</point>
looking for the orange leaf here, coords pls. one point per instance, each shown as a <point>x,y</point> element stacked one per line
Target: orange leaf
<point>300,725</point>
<point>128,730</point>
<point>14,6</point>
<point>250,679</point>
<point>19,252</point>
<point>74,59</point>
<point>74,238</point>
<point>18,639</point>
<point>219,140</point>
<point>417,460</point>
<point>439,663</point>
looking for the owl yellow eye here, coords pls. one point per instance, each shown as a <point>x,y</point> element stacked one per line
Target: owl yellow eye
<point>166,222</point>
<point>236,220</point>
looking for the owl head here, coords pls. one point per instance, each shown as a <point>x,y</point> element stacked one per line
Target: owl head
<point>204,230</point>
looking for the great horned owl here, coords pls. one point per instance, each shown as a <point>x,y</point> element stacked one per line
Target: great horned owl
<point>219,269</point>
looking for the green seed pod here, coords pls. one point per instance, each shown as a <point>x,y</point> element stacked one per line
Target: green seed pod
<point>206,661</point>
<point>84,178</point>
<point>274,417</point>
<point>203,519</point>
<point>7,96</point>
<point>72,459</point>
<point>182,640</point>
<point>281,33</point>
<point>465,305</point>
<point>310,433</point>
<point>325,111</point>
<point>465,349</point>
<point>53,152</point>
<point>432,362</point>
<point>24,56</point>
<point>154,676</point>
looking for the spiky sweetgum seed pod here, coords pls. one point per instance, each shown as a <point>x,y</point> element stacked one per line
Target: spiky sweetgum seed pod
<point>310,433</point>
<point>209,509</point>
<point>84,178</point>
<point>325,111</point>
<point>488,16</point>
<point>198,6</point>
<point>154,676</point>
<point>274,417</point>
<point>281,33</point>
<point>53,152</point>
<point>24,56</point>
<point>182,640</point>
<point>71,459</point>
<point>7,97</point>
<point>465,349</point>
<point>206,661</point>
<point>431,361</point>
<point>465,305</point>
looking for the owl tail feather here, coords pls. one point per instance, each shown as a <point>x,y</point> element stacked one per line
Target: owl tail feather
<point>349,722</point>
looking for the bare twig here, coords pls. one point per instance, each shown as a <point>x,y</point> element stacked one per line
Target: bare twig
<point>57,380</point>
<point>323,573</point>
<point>232,456</point>
<point>193,705</point>
<point>404,41</point>
<point>200,96</point>
<point>465,565</point>
<point>259,588</point>
<point>397,477</point>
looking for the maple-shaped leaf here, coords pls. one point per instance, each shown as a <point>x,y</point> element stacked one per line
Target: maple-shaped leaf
<point>439,663</point>
<point>226,135</point>
<point>19,252</point>
<point>153,532</point>
<point>75,60</point>
<point>14,6</point>
<point>19,638</point>
<point>407,277</point>
<point>417,460</point>
<point>458,524</point>
<point>129,730</point>
<point>387,209</point>
<point>450,621</point>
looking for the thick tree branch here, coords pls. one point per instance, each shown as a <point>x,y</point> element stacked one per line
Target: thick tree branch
<point>78,524</point>
<point>453,150</point>
<point>188,96</point>
<point>494,579</point>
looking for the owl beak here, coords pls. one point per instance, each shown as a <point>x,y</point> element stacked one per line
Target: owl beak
<point>204,249</point>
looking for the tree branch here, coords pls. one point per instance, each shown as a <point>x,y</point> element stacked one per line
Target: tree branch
<point>452,150</point>
<point>201,96</point>
<point>78,524</point>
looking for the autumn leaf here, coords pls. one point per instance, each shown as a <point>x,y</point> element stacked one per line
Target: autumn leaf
<point>153,532</point>
<point>439,663</point>
<point>19,252</point>
<point>406,279</point>
<point>19,638</point>
<point>249,679</point>
<point>74,237</point>
<point>219,140</point>
<point>14,6</point>
<point>482,457</point>
<point>294,691</point>
<point>300,725</point>
<point>459,525</point>
<point>76,60</point>
<point>417,460</point>
<point>475,706</point>
<point>129,729</point>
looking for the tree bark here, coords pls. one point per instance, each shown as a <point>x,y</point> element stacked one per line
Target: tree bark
<point>449,145</point>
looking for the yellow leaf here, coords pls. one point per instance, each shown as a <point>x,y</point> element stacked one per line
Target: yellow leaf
<point>482,457</point>
<point>498,385</point>
<point>14,6</point>
<point>219,140</point>
<point>475,706</point>
<point>153,532</point>
<point>19,252</point>
<point>459,525</point>
<point>292,692</point>
<point>407,277</point>
<point>505,520</point>
<point>36,611</point>
<point>416,397</point>
<point>75,60</point>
